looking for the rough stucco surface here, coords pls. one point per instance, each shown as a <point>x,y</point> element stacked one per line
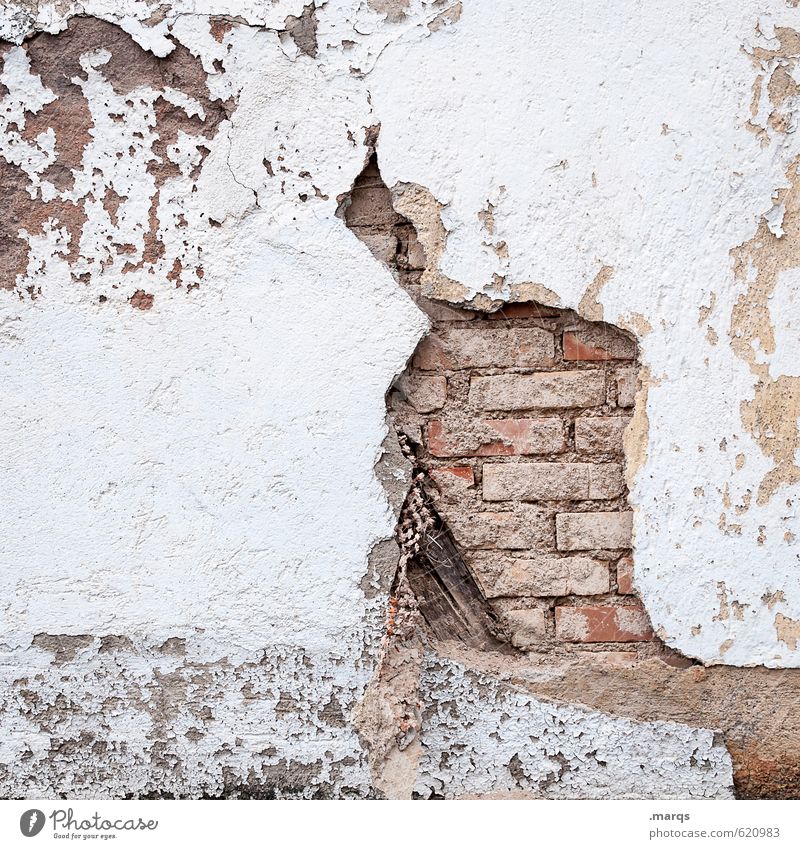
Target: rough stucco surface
<point>195,352</point>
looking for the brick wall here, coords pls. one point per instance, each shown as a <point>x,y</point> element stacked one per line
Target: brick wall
<point>517,417</point>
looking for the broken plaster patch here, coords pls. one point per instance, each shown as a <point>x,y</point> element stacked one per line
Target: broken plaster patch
<point>693,184</point>
<point>507,743</point>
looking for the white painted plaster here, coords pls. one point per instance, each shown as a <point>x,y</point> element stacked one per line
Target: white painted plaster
<point>508,743</point>
<point>784,309</point>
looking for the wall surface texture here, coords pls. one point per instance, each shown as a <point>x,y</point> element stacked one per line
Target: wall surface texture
<point>275,277</point>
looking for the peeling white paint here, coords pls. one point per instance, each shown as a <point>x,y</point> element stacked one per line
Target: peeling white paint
<point>142,718</point>
<point>507,743</point>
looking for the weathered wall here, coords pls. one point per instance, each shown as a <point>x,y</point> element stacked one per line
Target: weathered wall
<point>196,348</point>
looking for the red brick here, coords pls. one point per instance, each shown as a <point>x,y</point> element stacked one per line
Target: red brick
<point>497,437</point>
<point>602,624</point>
<point>625,575</point>
<point>597,344</point>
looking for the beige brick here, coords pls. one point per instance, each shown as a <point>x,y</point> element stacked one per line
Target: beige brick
<point>598,342</point>
<point>431,355</point>
<point>547,575</point>
<point>551,481</point>
<point>528,627</point>
<point>526,527</point>
<point>587,576</point>
<point>383,246</point>
<point>556,390</point>
<point>586,531</point>
<point>527,347</point>
<point>425,393</point>
<point>606,481</point>
<point>600,434</point>
<point>614,659</point>
<point>501,347</point>
<point>496,437</point>
<point>625,575</point>
<point>626,387</point>
<point>453,483</point>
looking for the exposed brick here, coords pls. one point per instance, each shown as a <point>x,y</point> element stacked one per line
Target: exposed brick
<point>497,437</point>
<point>371,207</point>
<point>615,659</point>
<point>512,422</point>
<point>431,355</point>
<point>606,481</point>
<point>424,393</point>
<point>597,343</point>
<point>503,576</point>
<point>415,259</point>
<point>551,481</point>
<point>453,484</point>
<point>443,312</point>
<point>626,387</point>
<point>525,527</point>
<point>586,531</point>
<point>587,576</point>
<point>557,390</point>
<point>600,433</point>
<point>499,347</point>
<point>625,575</point>
<point>602,624</point>
<point>528,627</point>
<point>437,310</point>
<point>381,245</point>
<point>524,310</point>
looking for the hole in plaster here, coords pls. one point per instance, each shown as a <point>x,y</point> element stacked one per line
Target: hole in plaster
<point>517,525</point>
